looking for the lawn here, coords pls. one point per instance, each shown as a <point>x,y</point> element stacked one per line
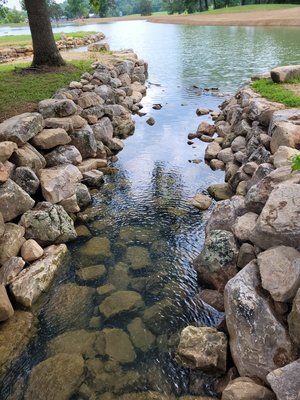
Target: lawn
<point>20,92</point>
<point>277,92</point>
<point>24,40</point>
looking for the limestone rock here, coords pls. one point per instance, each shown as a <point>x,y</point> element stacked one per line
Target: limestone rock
<point>6,309</point>
<point>285,74</point>
<point>247,308</point>
<point>49,138</point>
<point>279,221</point>
<point>202,348</point>
<point>31,251</point>
<point>220,191</point>
<point>6,150</point>
<point>92,273</point>
<point>26,178</point>
<point>246,389</point>
<point>34,280</point>
<point>48,224</point>
<point>294,320</point>
<point>11,241</point>
<point>244,226</point>
<point>201,201</point>
<point>57,108</point>
<point>67,154</point>
<point>285,381</point>
<point>28,156</point>
<point>56,378</point>
<point>120,302</point>
<point>10,269</point>
<point>141,338</point>
<point>283,156</point>
<point>118,346</point>
<point>14,201</point>
<point>216,263</point>
<point>59,183</point>
<point>84,140</point>
<point>21,128</point>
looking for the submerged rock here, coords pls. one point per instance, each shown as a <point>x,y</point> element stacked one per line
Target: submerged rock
<point>120,302</point>
<point>138,257</point>
<point>92,273</point>
<point>118,345</point>
<point>201,201</point>
<point>141,338</point>
<point>96,247</point>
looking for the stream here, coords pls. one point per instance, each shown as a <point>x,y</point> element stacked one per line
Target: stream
<point>147,233</point>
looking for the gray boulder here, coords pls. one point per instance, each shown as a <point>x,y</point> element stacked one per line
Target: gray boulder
<point>104,131</point>
<point>52,108</point>
<point>10,269</point>
<point>11,242</point>
<point>246,389</point>
<point>285,74</point>
<point>28,156</point>
<point>285,381</point>
<point>294,320</point>
<point>67,154</point>
<point>21,128</point>
<point>84,140</point>
<point>6,309</point>
<point>26,178</point>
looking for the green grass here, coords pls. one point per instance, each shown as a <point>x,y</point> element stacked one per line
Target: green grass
<point>23,40</point>
<point>251,7</point>
<point>276,92</point>
<point>20,92</point>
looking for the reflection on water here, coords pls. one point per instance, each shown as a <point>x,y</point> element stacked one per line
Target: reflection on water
<point>128,288</point>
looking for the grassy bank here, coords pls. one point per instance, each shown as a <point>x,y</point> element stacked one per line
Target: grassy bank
<point>278,92</point>
<point>24,40</point>
<point>20,91</point>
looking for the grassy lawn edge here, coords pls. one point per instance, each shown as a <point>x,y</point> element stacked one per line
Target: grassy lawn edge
<point>276,92</point>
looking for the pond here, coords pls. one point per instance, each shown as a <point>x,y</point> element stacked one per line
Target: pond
<point>142,218</point>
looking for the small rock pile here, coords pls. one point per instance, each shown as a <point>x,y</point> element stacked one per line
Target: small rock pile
<point>48,160</point>
<point>249,266</point>
<point>65,43</point>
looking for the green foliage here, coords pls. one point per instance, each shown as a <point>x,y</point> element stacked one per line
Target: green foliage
<point>76,8</point>
<point>276,92</point>
<point>11,16</point>
<point>296,163</point>
<point>104,8</point>
<point>145,7</point>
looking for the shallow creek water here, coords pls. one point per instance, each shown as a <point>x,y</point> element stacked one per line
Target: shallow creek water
<point>144,231</point>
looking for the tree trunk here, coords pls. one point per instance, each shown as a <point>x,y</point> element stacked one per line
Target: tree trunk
<point>45,51</point>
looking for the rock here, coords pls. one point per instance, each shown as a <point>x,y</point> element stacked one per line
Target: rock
<point>262,110</point>
<point>89,99</point>
<point>201,201</point>
<point>6,150</point>
<point>141,338</point>
<point>213,298</point>
<point>118,346</point>
<point>28,156</point>
<point>285,74</point>
<point>246,254</point>
<point>285,381</point>
<point>244,226</point>
<point>216,164</point>
<point>56,378</point>
<point>70,204</point>
<point>14,201</point>
<point>294,320</point>
<point>216,263</point>
<point>212,151</point>
<point>284,133</point>
<point>48,224</point>
<point>82,231</point>
<point>202,111</point>
<point>226,155</point>
<point>26,178</point>
<point>206,129</point>
<point>97,247</point>
<point>49,138</point>
<point>4,173</point>
<point>220,191</point>
<point>83,195</point>
<point>246,389</point>
<point>6,309</point>
<point>67,154</point>
<point>92,273</point>
<point>10,269</point>
<point>241,189</point>
<point>52,108</point>
<point>205,138</point>
<point>103,131</point>
<point>280,272</point>
<point>247,307</point>
<point>2,225</point>
<point>250,167</point>
<point>61,123</point>
<point>59,183</point>
<point>31,251</point>
<point>283,156</point>
<point>238,144</point>
<point>15,335</point>
<point>138,257</point>
<point>121,302</point>
<point>21,128</point>
<point>70,307</point>
<point>150,121</point>
<point>11,242</point>
<point>93,178</point>
<point>202,348</point>
<point>91,164</point>
<point>119,276</point>
<point>34,280</point>
<point>84,140</point>
<point>279,223</point>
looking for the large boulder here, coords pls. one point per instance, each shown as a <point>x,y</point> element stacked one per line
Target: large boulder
<point>21,128</point>
<point>284,156</point>
<point>28,156</point>
<point>121,302</point>
<point>280,272</point>
<point>57,108</point>
<point>202,348</point>
<point>10,269</point>
<point>89,99</point>
<point>139,335</point>
<point>6,150</point>
<point>244,225</point>
<point>246,389</point>
<point>84,140</point>
<point>294,320</point>
<point>285,74</point>
<point>285,381</point>
<point>216,263</point>
<point>279,222</point>
<point>104,130</point>
<point>56,378</point>
<point>260,344</point>
<point>11,242</point>
<point>27,179</point>
<point>49,138</point>
<point>59,183</point>
<point>34,280</point>
<point>14,201</point>
<point>6,309</point>
<point>284,133</point>
<point>67,154</point>
<point>48,224</point>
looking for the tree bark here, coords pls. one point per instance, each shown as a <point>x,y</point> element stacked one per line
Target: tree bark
<point>45,51</point>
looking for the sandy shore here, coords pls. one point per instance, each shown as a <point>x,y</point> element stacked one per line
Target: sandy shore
<point>286,17</point>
